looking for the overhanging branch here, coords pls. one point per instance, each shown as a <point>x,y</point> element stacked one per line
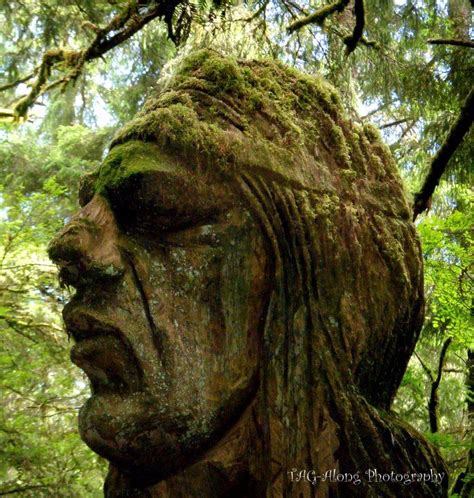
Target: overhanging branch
<point>319,16</point>
<point>17,82</point>
<point>451,41</point>
<point>440,161</point>
<point>122,27</point>
<point>352,40</point>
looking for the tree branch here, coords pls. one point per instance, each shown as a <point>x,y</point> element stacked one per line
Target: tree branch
<point>127,24</point>
<point>451,41</point>
<point>50,58</point>
<point>23,488</point>
<point>15,83</point>
<point>257,13</point>
<point>425,368</point>
<point>394,123</point>
<point>433,401</point>
<point>352,40</point>
<point>441,159</point>
<point>122,27</point>
<point>319,16</point>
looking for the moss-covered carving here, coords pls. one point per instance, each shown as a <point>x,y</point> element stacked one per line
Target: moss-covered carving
<point>256,294</point>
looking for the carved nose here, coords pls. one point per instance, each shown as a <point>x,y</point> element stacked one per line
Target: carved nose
<point>86,249</point>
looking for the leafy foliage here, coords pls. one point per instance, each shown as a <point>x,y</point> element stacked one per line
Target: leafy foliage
<point>447,245</point>
<point>40,390</point>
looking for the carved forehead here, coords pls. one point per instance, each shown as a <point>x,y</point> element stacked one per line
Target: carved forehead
<point>219,116</point>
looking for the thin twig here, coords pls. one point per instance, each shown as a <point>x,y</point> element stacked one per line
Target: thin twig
<point>256,14</point>
<point>425,368</point>
<point>17,82</point>
<point>394,123</point>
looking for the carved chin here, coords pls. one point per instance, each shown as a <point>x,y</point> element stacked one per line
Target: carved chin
<point>151,437</point>
<point>131,437</point>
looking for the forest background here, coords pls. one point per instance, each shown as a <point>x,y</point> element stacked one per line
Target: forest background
<point>73,71</point>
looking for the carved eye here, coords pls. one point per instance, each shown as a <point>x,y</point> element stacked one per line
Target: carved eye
<point>209,234</point>
<point>155,203</point>
<point>151,191</point>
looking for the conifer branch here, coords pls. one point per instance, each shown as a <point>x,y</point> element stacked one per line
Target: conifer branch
<point>122,27</point>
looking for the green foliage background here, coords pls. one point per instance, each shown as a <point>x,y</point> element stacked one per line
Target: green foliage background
<point>411,89</point>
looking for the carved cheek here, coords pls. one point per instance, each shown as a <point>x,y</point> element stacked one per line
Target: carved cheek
<point>208,303</point>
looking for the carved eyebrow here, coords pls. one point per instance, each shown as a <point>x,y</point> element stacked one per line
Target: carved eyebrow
<point>156,200</point>
<point>144,183</point>
<point>132,158</point>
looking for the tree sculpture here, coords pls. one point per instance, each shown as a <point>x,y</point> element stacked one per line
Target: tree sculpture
<point>249,292</point>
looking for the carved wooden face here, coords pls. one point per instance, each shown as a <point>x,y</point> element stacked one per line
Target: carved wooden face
<point>172,279</point>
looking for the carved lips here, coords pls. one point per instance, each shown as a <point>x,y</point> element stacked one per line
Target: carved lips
<point>102,352</point>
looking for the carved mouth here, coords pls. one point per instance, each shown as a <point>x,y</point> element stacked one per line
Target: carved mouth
<point>102,352</point>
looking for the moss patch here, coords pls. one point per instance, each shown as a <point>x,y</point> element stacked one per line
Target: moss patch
<point>219,114</point>
<point>131,158</point>
<point>215,107</point>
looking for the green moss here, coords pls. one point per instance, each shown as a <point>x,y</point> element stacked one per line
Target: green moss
<point>224,73</point>
<point>372,133</point>
<point>311,87</point>
<point>224,114</point>
<point>326,205</point>
<point>341,148</point>
<point>193,62</point>
<point>177,116</point>
<point>349,174</point>
<point>128,159</point>
<point>389,238</point>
